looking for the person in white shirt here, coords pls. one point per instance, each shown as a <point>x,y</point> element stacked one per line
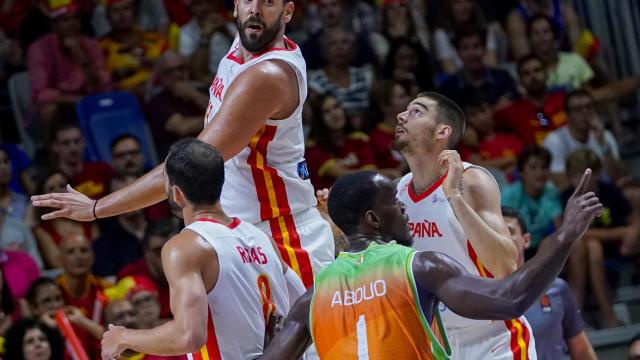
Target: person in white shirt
<point>584,130</point>
<point>205,39</point>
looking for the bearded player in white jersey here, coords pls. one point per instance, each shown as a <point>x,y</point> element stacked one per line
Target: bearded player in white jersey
<point>255,120</point>
<point>225,276</point>
<point>465,223</point>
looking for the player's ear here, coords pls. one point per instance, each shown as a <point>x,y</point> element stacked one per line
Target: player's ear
<point>235,8</point>
<point>443,131</point>
<point>289,8</point>
<point>178,196</point>
<point>527,240</point>
<point>372,219</point>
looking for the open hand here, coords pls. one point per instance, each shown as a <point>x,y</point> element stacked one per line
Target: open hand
<point>581,209</point>
<point>112,345</point>
<point>453,183</point>
<point>72,205</point>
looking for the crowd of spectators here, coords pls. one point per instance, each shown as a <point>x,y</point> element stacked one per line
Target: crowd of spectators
<point>538,111</point>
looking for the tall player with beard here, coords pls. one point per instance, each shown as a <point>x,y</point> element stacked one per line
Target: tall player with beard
<point>254,118</point>
<point>462,220</point>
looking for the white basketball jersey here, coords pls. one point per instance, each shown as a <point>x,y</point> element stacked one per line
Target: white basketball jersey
<point>269,177</point>
<point>250,287</point>
<point>434,227</point>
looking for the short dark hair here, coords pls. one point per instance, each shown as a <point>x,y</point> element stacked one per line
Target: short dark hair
<point>197,168</point>
<point>510,212</point>
<point>450,113</point>
<point>530,151</point>
<point>581,160</point>
<point>574,94</point>
<point>14,339</point>
<point>536,18</point>
<point>350,198</point>
<point>526,59</point>
<point>59,127</point>
<point>163,228</point>
<point>467,32</point>
<point>7,302</point>
<point>123,137</point>
<point>35,286</point>
<point>475,98</point>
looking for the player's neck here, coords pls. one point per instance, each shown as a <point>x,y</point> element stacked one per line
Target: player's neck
<point>425,170</point>
<point>247,55</point>
<point>360,242</point>
<point>214,213</point>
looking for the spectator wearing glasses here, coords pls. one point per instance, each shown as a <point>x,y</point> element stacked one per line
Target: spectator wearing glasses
<point>584,130</point>
<point>150,266</point>
<point>539,111</point>
<point>176,109</point>
<point>126,156</point>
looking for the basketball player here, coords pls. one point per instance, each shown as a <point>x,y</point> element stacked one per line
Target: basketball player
<point>379,299</point>
<point>254,118</point>
<point>225,276</point>
<point>460,218</point>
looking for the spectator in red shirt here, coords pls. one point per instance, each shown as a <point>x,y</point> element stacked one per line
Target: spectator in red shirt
<point>538,112</point>
<point>494,149</point>
<point>67,147</point>
<point>49,233</point>
<point>391,98</point>
<point>150,266</point>
<point>79,286</point>
<point>64,65</point>
<point>333,150</point>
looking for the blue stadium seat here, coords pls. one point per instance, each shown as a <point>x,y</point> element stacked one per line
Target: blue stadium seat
<point>106,116</point>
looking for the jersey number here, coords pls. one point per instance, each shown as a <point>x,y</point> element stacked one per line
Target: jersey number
<point>268,307</point>
<point>361,335</point>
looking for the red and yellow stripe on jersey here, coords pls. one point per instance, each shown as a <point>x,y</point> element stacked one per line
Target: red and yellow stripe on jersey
<point>274,205</point>
<point>520,336</point>
<point>366,306</point>
<point>210,350</point>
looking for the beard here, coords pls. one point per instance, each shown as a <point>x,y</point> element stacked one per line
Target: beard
<point>256,43</point>
<point>176,210</point>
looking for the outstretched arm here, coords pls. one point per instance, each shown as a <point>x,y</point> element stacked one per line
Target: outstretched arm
<point>269,90</point>
<point>184,258</point>
<point>294,339</point>
<point>485,298</point>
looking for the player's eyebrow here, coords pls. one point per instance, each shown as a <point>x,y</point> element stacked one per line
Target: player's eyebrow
<point>420,105</point>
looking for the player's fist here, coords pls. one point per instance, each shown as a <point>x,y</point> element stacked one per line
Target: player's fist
<point>452,184</point>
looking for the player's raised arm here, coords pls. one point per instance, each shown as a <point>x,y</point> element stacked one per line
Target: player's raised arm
<point>295,337</point>
<point>184,259</point>
<point>268,90</point>
<point>475,200</point>
<point>483,298</point>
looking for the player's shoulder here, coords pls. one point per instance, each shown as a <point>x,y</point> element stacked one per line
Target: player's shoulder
<point>477,175</point>
<point>402,184</point>
<point>188,244</point>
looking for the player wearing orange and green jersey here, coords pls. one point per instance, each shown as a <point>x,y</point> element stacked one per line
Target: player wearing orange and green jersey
<point>376,299</point>
<point>366,305</point>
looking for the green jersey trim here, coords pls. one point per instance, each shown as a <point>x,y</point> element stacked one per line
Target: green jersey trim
<point>440,348</point>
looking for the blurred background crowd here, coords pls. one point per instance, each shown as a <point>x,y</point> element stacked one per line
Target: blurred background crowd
<point>93,93</point>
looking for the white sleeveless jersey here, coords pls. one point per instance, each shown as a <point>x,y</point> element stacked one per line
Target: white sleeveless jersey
<point>269,177</point>
<point>434,227</point>
<point>250,287</point>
